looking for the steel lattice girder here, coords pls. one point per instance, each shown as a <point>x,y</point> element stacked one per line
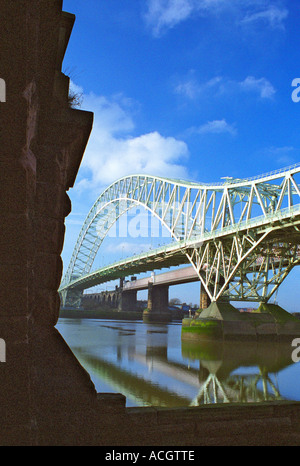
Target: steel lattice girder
<point>194,214</point>
<point>243,268</point>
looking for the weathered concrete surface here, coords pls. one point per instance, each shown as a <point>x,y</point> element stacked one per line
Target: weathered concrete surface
<point>261,424</point>
<point>42,143</point>
<point>128,300</point>
<point>158,302</point>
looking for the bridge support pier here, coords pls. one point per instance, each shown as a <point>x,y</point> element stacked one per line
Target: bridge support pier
<point>128,300</point>
<point>72,300</point>
<point>158,302</point>
<point>204,298</point>
<point>222,321</point>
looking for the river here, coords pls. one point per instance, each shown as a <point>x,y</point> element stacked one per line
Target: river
<point>151,366</point>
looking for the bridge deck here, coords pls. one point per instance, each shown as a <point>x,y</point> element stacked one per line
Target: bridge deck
<point>174,277</point>
<point>175,254</point>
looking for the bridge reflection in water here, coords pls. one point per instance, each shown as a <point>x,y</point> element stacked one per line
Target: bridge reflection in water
<point>151,366</point>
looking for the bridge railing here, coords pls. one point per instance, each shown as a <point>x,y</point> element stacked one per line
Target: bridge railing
<point>261,220</point>
<point>233,181</point>
<point>274,172</point>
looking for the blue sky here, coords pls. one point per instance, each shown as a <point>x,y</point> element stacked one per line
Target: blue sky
<point>197,89</point>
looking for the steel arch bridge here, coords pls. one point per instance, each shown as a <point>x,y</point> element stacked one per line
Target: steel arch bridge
<point>242,236</point>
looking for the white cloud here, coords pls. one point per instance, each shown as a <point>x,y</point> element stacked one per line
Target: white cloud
<point>273,16</point>
<point>189,88</point>
<point>113,152</point>
<point>262,86</point>
<point>216,127</point>
<point>165,14</point>
<point>219,86</point>
<point>192,89</point>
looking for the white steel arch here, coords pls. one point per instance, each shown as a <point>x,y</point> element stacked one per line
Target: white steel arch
<point>231,230</point>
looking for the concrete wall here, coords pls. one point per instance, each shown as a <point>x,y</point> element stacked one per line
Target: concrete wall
<point>42,143</point>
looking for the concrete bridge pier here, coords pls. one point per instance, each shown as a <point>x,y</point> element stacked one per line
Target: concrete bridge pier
<point>158,302</point>
<point>128,300</point>
<point>204,298</point>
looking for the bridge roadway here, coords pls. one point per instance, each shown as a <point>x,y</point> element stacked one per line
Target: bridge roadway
<point>164,257</point>
<point>174,254</point>
<point>173,277</point>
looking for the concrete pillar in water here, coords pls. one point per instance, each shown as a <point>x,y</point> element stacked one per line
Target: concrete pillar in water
<point>128,301</point>
<point>158,302</point>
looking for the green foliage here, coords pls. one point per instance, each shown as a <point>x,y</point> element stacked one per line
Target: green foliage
<point>74,99</point>
<point>202,327</point>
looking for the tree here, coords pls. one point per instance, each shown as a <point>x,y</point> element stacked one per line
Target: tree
<point>174,301</point>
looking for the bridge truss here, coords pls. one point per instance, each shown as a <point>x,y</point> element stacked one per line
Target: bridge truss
<point>240,235</point>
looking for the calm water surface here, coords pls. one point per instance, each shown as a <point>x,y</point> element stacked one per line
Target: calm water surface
<point>151,366</point>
